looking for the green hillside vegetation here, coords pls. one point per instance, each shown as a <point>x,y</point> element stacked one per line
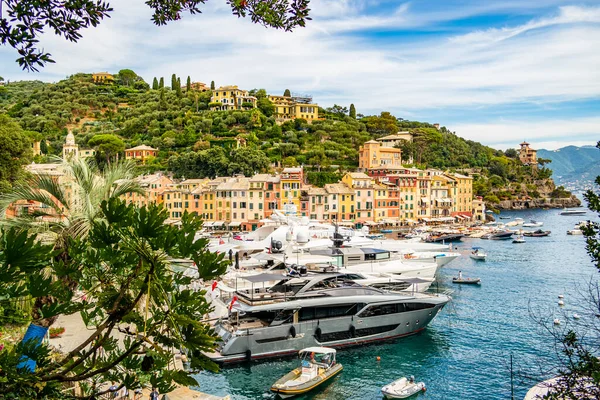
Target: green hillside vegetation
<point>197,142</point>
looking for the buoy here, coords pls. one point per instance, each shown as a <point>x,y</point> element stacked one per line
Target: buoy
<point>560,296</point>
<point>576,316</point>
<point>561,303</point>
<point>293,331</point>
<point>378,358</point>
<point>557,321</point>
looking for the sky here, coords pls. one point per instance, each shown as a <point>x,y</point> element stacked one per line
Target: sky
<point>494,71</point>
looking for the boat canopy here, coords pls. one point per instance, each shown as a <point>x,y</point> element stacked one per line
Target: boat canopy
<point>477,248</point>
<point>321,350</point>
<point>263,278</point>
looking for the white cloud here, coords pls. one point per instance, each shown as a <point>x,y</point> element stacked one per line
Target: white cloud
<point>549,134</point>
<point>546,60</point>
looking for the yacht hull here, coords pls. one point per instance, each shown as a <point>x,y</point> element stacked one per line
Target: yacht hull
<point>277,341</point>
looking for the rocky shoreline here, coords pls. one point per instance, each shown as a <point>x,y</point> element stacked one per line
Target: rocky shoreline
<point>525,204</point>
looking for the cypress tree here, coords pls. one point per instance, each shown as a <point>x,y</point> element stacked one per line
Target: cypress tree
<point>188,85</point>
<point>161,83</point>
<point>287,93</point>
<point>352,111</point>
<point>212,85</point>
<point>155,84</point>
<point>178,88</point>
<point>173,81</point>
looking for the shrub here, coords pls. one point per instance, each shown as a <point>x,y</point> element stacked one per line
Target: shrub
<point>56,332</point>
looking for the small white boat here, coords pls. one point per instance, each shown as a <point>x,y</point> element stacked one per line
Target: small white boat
<point>576,316</point>
<point>575,231</point>
<point>478,254</point>
<point>533,224</point>
<point>318,365</point>
<point>519,239</point>
<point>561,303</point>
<point>572,212</point>
<point>557,321</point>
<point>560,296</point>
<point>402,388</point>
<point>519,221</point>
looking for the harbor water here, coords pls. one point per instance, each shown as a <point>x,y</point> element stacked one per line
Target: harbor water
<point>465,352</point>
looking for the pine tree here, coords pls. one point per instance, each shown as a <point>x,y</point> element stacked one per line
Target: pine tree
<point>287,93</point>
<point>352,111</point>
<point>161,83</point>
<point>173,81</point>
<point>212,85</point>
<point>155,84</point>
<point>178,87</point>
<point>188,85</point>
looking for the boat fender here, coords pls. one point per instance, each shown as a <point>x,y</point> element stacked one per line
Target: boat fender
<point>318,333</point>
<point>424,389</point>
<point>352,331</point>
<point>248,355</point>
<point>293,331</point>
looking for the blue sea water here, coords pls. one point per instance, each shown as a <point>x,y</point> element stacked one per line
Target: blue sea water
<point>464,353</point>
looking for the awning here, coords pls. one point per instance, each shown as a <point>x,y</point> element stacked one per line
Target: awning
<point>371,223</point>
<point>218,223</point>
<point>233,224</point>
<point>207,224</point>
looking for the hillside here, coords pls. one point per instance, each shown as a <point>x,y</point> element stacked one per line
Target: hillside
<point>196,142</point>
<point>573,165</point>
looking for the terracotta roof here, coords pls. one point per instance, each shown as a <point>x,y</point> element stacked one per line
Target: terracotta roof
<point>358,175</point>
<point>338,188</point>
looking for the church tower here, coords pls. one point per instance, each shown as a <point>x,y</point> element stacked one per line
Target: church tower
<point>70,148</point>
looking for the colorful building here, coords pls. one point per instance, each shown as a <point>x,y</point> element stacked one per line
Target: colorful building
<point>292,180</point>
<point>141,153</point>
<point>232,98</point>
<point>527,155</point>
<point>102,77</point>
<point>289,108</point>
<point>373,154</point>
<point>341,202</point>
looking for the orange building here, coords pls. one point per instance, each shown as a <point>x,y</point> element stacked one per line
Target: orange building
<point>142,153</point>
<point>373,154</point>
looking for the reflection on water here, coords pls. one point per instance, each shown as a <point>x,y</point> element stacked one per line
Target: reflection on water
<point>464,352</point>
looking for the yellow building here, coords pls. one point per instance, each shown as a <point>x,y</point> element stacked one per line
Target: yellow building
<point>441,201</point>
<point>479,209</point>
<point>462,195</point>
<point>35,147</point>
<point>423,195</point>
<point>381,202</point>
<point>289,108</point>
<point>232,98</point>
<point>373,155</point>
<point>102,77</point>
<point>291,183</point>
<point>341,202</point>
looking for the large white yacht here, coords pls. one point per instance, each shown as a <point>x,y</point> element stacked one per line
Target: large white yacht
<point>320,310</point>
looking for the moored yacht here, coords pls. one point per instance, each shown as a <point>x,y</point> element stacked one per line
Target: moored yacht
<point>321,310</point>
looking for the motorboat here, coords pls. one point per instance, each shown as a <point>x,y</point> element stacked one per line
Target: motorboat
<point>430,256</point>
<point>386,231</point>
<point>502,217</point>
<point>500,235</point>
<point>519,221</point>
<point>533,224</point>
<point>317,366</point>
<point>402,388</point>
<point>478,254</point>
<point>573,212</point>
<point>467,281</point>
<point>318,310</point>
<point>519,239</point>
<point>538,233</point>
<point>444,238</point>
<point>575,231</point>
